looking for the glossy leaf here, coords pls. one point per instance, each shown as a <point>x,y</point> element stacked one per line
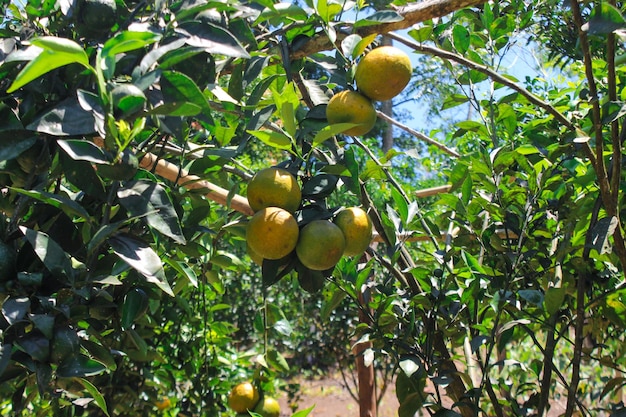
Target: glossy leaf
<point>95,393</point>
<point>142,258</point>
<point>68,118</point>
<point>212,39</point>
<point>79,365</point>
<point>50,253</point>
<point>152,202</point>
<point>55,53</point>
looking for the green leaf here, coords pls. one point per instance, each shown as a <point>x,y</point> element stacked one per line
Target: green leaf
<point>383,16</point>
<point>213,39</point>
<point>67,118</point>
<point>176,109</point>
<point>332,299</point>
<point>69,207</point>
<point>178,88</point>
<point>604,19</point>
<point>150,199</point>
<point>56,52</point>
<point>274,139</point>
<point>461,38</point>
<point>5,356</point>
<point>276,360</point>
<point>35,345</point>
<point>95,394</point>
<point>14,143</point>
<point>142,258</point>
<point>78,365</point>
<point>15,309</point>
<point>123,42</point>
<point>83,150</point>
<point>135,305</point>
<point>553,299</point>
<point>50,253</point>
<point>303,413</point>
<point>329,131</point>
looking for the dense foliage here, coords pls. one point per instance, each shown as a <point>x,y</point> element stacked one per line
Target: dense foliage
<point>125,285</point>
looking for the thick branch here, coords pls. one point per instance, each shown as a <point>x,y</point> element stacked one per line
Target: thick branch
<point>412,13</point>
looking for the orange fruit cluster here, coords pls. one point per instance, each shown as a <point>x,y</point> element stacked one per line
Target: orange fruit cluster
<point>380,75</point>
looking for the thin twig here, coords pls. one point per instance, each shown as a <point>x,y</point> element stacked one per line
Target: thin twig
<point>418,135</point>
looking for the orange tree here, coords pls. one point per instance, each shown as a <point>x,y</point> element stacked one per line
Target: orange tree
<point>116,264</point>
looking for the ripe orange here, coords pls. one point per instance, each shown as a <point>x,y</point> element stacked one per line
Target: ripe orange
<point>356,226</point>
<point>243,397</point>
<point>274,187</point>
<point>383,73</point>
<point>320,245</point>
<point>163,404</point>
<point>268,407</point>
<point>351,107</point>
<point>272,233</point>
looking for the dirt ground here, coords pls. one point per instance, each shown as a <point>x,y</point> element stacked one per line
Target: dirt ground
<point>332,399</point>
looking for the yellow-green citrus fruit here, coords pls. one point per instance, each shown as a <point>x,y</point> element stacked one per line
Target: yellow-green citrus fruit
<point>321,245</point>
<point>268,407</point>
<point>383,73</point>
<point>274,187</point>
<point>356,226</point>
<point>351,107</point>
<point>272,233</point>
<point>243,397</point>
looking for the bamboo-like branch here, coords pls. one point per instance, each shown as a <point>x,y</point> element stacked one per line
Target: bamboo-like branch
<point>181,177</point>
<point>412,13</point>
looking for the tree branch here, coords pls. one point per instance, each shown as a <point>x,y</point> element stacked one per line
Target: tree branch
<point>412,14</point>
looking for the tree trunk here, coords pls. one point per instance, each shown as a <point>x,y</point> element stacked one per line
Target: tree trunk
<point>366,375</point>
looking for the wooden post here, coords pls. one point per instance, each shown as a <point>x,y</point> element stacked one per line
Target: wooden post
<point>366,375</point>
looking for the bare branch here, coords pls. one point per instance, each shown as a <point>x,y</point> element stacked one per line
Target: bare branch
<point>412,13</point>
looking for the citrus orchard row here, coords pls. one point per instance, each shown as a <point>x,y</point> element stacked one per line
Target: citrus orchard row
<point>380,75</point>
<point>245,397</point>
<point>273,233</point>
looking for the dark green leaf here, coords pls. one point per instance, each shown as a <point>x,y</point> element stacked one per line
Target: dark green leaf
<point>45,324</point>
<point>50,253</point>
<point>213,39</point>
<point>5,356</point>
<point>151,201</point>
<point>35,345</point>
<point>135,305</point>
<point>83,150</point>
<point>320,186</point>
<point>69,207</point>
<point>14,143</point>
<point>15,309</point>
<point>79,365</point>
<point>142,258</point>
<point>601,232</point>
<point>68,118</point>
